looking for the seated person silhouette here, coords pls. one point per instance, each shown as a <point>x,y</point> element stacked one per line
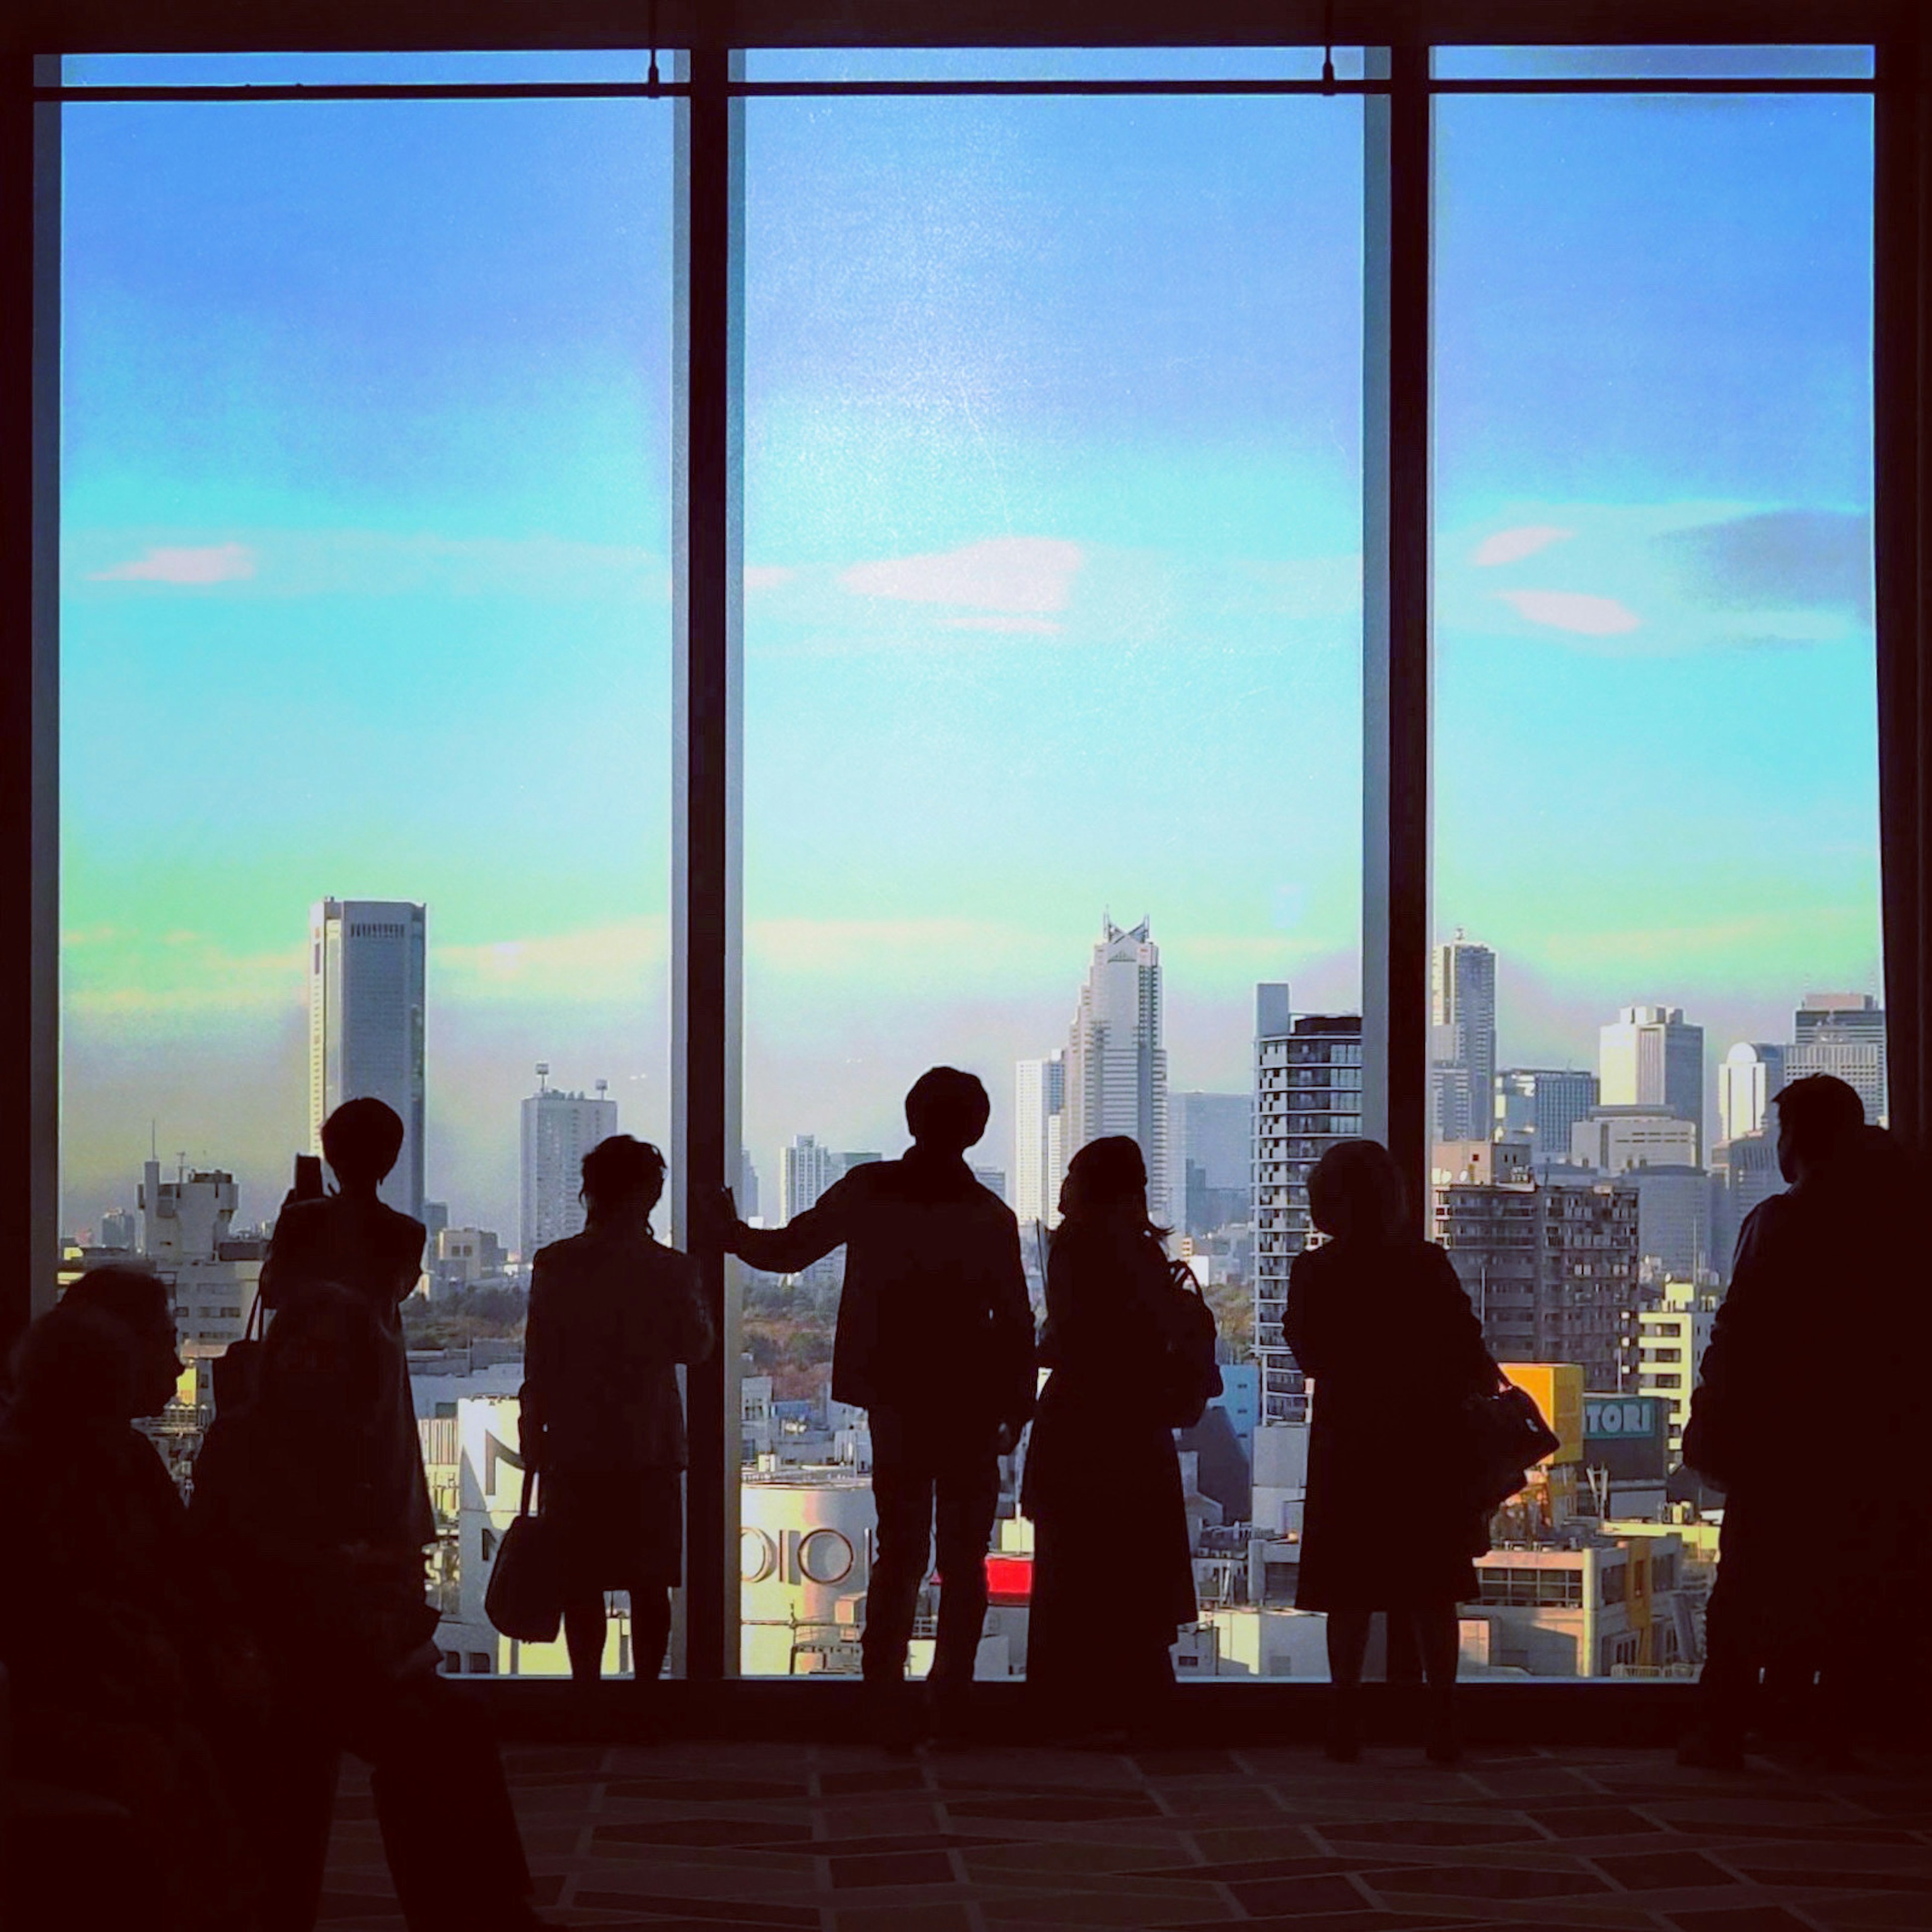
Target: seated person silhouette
<point>111,1655</point>
<point>286,1513</point>
<point>356,1241</point>
<point>935,1341</point>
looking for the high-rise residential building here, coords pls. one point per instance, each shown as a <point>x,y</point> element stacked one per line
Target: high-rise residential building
<point>805,1170</point>
<point>1308,1096</point>
<point>1551,1269</point>
<point>1841,1033</point>
<point>1040,1138</point>
<point>1614,1139</point>
<point>1540,1105</point>
<point>1671,1340</point>
<point>1650,1057</point>
<point>1211,1159</point>
<point>559,1130</point>
<point>1463,1039</point>
<point>366,976</point>
<point>1116,1065</point>
<point>1748,1077</point>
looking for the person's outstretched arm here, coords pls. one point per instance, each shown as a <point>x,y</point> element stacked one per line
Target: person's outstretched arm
<point>804,1239</point>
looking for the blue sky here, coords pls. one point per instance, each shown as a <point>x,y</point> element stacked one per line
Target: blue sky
<point>1052,603</point>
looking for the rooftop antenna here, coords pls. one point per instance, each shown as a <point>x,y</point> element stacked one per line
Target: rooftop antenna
<point>154,1137</point>
<point>543,1075</point>
<point>603,1088</point>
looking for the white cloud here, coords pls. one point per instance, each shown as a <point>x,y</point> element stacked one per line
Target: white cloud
<point>767,576</point>
<point>1008,574</point>
<point>1512,546</point>
<point>1578,611</point>
<point>611,963</point>
<point>198,564</point>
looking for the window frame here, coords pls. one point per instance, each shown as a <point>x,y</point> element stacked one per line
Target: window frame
<point>709,87</point>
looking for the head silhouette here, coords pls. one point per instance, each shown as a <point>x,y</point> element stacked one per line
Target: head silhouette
<point>621,1173</point>
<point>73,1371</point>
<point>946,1111</point>
<point>136,1300</point>
<point>1355,1193</point>
<point>322,1355</point>
<point>1106,1179</point>
<point>361,1141</point>
<point>1820,1118</point>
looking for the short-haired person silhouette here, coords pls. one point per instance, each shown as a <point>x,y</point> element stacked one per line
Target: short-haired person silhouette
<point>355,1240</point>
<point>935,1341</point>
<point>1840,1239</point>
<point>613,1312</point>
<point>1378,1320</point>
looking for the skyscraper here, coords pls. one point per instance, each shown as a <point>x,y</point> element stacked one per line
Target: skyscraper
<point>1462,1040</point>
<point>1650,1057</point>
<point>559,1130</point>
<point>1211,1159</point>
<point>366,1022</point>
<point>1308,1096</point>
<point>1541,1104</point>
<point>805,1170</point>
<point>1751,1073</point>
<point>1842,1034</point>
<point>1116,1066</point>
<point>1040,1138</point>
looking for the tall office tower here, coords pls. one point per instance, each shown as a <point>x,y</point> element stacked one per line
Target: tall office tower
<point>1116,1066</point>
<point>1308,1095</point>
<point>1748,1076</point>
<point>1550,1268</point>
<point>1649,1057</point>
<point>1462,1040</point>
<point>560,1129</point>
<point>365,1022</point>
<point>1040,1138</point>
<point>1541,1104</point>
<point>748,1187</point>
<point>1211,1159</point>
<point>805,1170</point>
<point>1746,1173</point>
<point>1842,1034</point>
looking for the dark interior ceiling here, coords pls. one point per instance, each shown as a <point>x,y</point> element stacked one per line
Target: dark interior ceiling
<point>77,26</point>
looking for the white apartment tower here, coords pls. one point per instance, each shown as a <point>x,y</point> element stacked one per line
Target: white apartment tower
<point>1649,1057</point>
<point>559,1130</point>
<point>1116,1067</point>
<point>1040,1138</point>
<point>1462,1040</point>
<point>366,1022</point>
<point>805,1170</point>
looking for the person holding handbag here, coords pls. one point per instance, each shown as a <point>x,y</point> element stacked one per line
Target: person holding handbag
<point>613,1312</point>
<point>1102,1483</point>
<point>1378,1320</point>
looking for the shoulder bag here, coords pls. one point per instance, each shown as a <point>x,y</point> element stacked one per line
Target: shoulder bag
<point>524,1598</point>
<point>1507,1437</point>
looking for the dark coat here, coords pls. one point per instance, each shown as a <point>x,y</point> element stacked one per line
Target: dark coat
<point>1387,1334</point>
<point>1113,1571</point>
<point>934,1316</point>
<point>368,1246</point>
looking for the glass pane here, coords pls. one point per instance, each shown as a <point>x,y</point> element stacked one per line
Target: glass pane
<point>848,64</point>
<point>365,599</point>
<point>1656,861</point>
<point>1630,63</point>
<point>340,69</point>
<point>1052,652</point>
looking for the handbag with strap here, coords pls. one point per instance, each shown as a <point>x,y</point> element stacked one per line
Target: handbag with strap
<point>1507,1437</point>
<point>524,1597</point>
<point>1191,1378</point>
<point>237,1371</point>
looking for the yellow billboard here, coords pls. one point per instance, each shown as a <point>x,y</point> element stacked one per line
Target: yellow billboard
<point>1557,1389</point>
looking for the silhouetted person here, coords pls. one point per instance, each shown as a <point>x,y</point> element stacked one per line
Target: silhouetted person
<point>935,1343</point>
<point>106,1645</point>
<point>1379,1322</point>
<point>613,1312</point>
<point>289,1506</point>
<point>1839,1244</point>
<point>1113,1579</point>
<point>356,1241</point>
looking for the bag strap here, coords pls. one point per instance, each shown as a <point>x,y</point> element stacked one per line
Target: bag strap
<point>252,1332</point>
<point>529,1489</point>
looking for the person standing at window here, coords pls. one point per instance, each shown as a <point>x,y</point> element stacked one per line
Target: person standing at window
<point>1377,1318</point>
<point>613,1312</point>
<point>935,1341</point>
<point>356,1239</point>
<point>1114,1569</point>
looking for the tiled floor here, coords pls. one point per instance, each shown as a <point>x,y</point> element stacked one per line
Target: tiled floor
<point>751,1838</point>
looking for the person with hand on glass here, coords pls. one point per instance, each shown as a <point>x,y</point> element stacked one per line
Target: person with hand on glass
<point>613,1312</point>
<point>1102,1476</point>
<point>1379,1322</point>
<point>935,1343</point>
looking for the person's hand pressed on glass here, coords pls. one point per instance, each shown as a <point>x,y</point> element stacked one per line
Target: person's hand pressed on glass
<point>718,1223</point>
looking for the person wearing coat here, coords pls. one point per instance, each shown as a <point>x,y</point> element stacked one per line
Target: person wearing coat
<point>1379,1323</point>
<point>613,1312</point>
<point>1113,1579</point>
